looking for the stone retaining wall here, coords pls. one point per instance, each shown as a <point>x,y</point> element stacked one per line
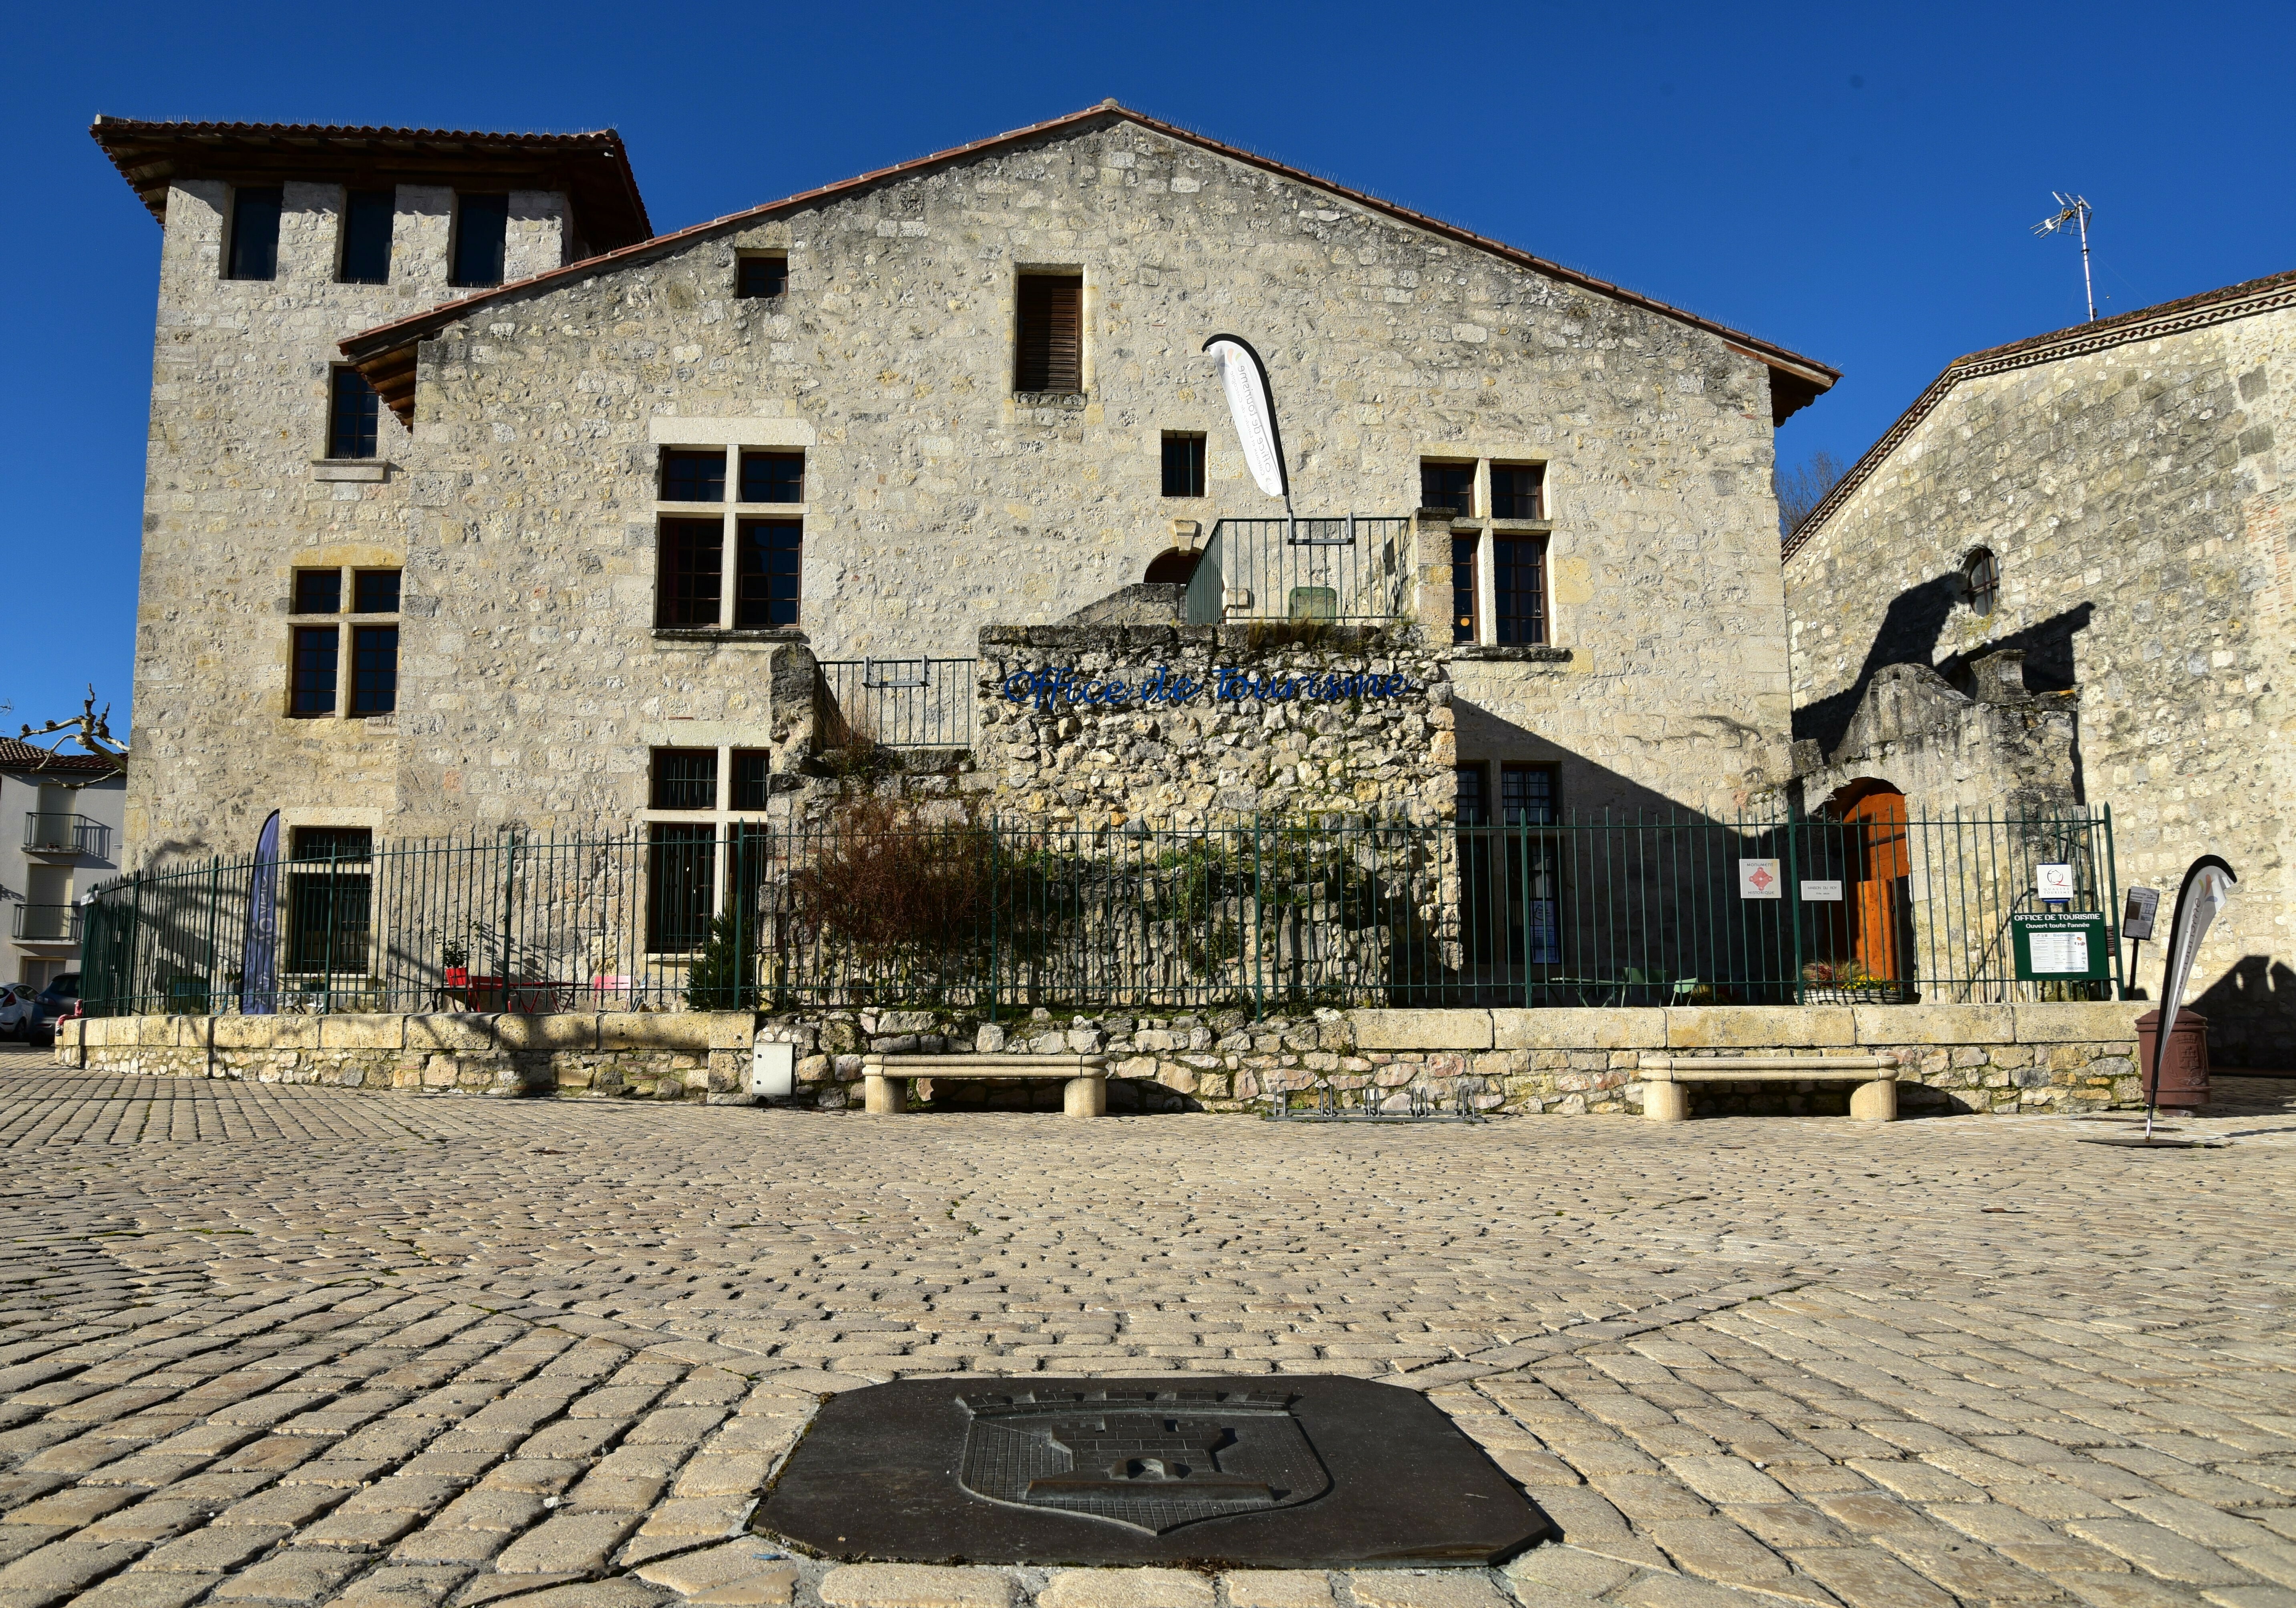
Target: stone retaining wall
<point>1996,1059</point>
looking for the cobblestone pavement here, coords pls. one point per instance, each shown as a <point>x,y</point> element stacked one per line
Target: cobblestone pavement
<point>286,1346</point>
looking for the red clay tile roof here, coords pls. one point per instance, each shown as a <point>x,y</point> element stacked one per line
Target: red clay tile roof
<point>386,355</point>
<point>2145,324</point>
<point>24,757</point>
<point>593,168</point>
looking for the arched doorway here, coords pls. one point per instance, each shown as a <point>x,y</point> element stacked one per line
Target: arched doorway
<point>1876,928</point>
<point>1174,568</point>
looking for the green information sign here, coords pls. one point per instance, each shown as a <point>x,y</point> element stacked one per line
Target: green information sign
<point>2052,948</point>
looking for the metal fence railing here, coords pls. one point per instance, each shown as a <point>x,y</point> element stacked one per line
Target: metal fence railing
<point>1347,568</point>
<point>46,924</point>
<point>986,917</point>
<point>899,703</point>
<point>51,832</point>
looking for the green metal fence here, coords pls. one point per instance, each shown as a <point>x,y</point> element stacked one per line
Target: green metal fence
<point>994,917</point>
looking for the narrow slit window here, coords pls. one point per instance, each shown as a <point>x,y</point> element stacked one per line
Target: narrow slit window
<point>1518,589</point>
<point>1463,589</point>
<point>1474,807</point>
<point>374,669</point>
<point>1184,465</point>
<point>481,227</point>
<point>693,477</point>
<point>684,778</point>
<point>254,234</point>
<point>1050,352</point>
<point>773,477</point>
<point>1518,490</point>
<point>693,566</point>
<point>318,592</point>
<point>761,278</point>
<point>766,585</point>
<point>367,238</point>
<point>353,415</point>
<point>312,676</point>
<point>1450,485</point>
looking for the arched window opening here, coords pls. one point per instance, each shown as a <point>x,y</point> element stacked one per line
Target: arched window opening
<point>1174,568</point>
<point>1981,581</point>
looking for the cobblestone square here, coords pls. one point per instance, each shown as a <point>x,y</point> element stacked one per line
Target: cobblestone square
<point>274,1345</point>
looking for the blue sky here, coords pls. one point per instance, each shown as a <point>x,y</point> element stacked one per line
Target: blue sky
<point>1855,183</point>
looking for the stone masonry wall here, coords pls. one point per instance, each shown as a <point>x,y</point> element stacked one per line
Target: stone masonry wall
<point>1288,731</point>
<point>523,505</point>
<point>2003,1058</point>
<point>2138,499</point>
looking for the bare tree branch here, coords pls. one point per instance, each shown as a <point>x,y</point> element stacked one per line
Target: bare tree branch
<point>1800,490</point>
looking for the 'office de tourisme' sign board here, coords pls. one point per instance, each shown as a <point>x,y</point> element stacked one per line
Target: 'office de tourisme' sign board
<point>2059,948</point>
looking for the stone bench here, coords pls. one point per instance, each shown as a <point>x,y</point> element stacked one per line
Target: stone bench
<point>884,1091</point>
<point>1666,1100</point>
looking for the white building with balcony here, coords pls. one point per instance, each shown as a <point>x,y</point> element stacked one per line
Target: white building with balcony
<point>61,818</point>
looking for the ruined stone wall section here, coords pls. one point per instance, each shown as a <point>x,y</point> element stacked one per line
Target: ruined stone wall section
<point>2137,499</point>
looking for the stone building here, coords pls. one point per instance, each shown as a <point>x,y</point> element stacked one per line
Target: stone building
<point>628,496</point>
<point>2067,574</point>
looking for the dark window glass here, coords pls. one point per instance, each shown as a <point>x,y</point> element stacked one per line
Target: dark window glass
<point>254,236</point>
<point>374,669</point>
<point>766,586</point>
<point>1450,485</point>
<point>318,590</point>
<point>773,477</point>
<point>693,477</point>
<point>374,592</point>
<point>1463,589</point>
<point>481,223</point>
<point>684,778</point>
<point>753,778</point>
<point>1184,466</point>
<point>327,920</point>
<point>1519,588</point>
<point>313,677</point>
<point>1518,490</point>
<point>1049,356</point>
<point>1980,576</point>
<point>693,560</point>
<point>352,415</point>
<point>682,860</point>
<point>1474,806</point>
<point>366,237</point>
<point>1527,796</point>
<point>761,277</point>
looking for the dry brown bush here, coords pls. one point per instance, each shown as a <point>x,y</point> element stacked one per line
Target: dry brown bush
<point>890,883</point>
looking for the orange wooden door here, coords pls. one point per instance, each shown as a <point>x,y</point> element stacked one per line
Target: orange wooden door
<point>1883,862</point>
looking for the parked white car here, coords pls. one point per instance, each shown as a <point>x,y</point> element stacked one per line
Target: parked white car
<point>19,1010</point>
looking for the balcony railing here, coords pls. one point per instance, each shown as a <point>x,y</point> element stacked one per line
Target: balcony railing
<point>1354,567</point>
<point>47,924</point>
<point>50,832</point>
<point>899,703</point>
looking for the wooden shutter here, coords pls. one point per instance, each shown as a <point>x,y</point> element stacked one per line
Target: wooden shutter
<point>1051,351</point>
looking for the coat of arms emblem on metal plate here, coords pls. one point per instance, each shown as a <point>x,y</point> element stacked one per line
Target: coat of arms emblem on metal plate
<point>1150,1460</point>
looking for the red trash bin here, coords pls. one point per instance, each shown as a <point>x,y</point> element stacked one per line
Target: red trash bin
<point>2185,1070</point>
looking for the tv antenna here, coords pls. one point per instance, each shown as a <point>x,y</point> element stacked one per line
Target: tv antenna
<point>2074,209</point>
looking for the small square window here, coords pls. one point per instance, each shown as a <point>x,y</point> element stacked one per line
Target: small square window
<point>753,778</point>
<point>318,592</point>
<point>311,677</point>
<point>693,477</point>
<point>766,585</point>
<point>1184,465</point>
<point>374,669</point>
<point>1518,490</point>
<point>773,477</point>
<point>1450,485</point>
<point>684,778</point>
<point>254,234</point>
<point>692,561</point>
<point>481,227</point>
<point>366,237</point>
<point>1527,796</point>
<point>761,278</point>
<point>374,592</point>
<point>353,414</point>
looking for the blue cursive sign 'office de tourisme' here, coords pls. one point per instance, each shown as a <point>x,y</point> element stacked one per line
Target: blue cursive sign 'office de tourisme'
<point>1051,689</point>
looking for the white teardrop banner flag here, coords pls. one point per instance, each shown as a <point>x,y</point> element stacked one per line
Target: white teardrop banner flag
<point>2207,890</point>
<point>1252,405</point>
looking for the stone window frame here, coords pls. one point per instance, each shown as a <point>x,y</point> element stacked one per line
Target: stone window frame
<point>777,296</point>
<point>1487,532</point>
<point>724,817</point>
<point>347,621</point>
<point>732,514</point>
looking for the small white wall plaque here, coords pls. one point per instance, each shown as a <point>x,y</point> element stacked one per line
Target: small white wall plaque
<point>1821,892</point>
<point>1759,879</point>
<point>2053,881</point>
